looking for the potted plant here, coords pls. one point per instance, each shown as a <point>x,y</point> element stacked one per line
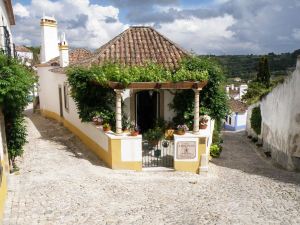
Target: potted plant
<point>169,132</point>
<point>181,129</point>
<point>106,127</point>
<point>134,130</point>
<point>203,122</point>
<point>153,136</point>
<point>97,120</point>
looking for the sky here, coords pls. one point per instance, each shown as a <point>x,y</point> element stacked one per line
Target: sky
<point>201,26</point>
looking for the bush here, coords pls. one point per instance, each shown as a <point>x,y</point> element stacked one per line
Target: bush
<point>256,120</point>
<point>16,83</point>
<point>215,150</point>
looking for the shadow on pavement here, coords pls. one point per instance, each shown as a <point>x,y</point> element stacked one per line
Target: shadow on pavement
<point>241,154</point>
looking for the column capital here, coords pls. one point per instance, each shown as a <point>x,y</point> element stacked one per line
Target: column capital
<point>197,90</point>
<point>119,91</point>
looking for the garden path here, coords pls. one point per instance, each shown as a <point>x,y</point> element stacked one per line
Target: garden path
<point>61,182</point>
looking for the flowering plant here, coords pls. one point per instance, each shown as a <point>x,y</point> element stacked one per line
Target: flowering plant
<point>182,127</point>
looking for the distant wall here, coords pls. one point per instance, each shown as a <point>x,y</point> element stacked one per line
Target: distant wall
<point>280,112</point>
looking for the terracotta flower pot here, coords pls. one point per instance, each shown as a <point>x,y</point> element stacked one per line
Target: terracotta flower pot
<point>106,129</point>
<point>180,132</point>
<point>203,126</point>
<point>169,134</point>
<point>134,133</point>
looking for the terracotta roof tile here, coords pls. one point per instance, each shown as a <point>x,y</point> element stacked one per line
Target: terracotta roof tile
<point>237,106</point>
<point>22,49</point>
<point>137,46</point>
<point>75,55</point>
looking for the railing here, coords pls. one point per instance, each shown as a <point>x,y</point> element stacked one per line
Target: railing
<point>158,155</point>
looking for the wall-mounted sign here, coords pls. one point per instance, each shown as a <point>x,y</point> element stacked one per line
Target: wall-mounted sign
<point>186,150</point>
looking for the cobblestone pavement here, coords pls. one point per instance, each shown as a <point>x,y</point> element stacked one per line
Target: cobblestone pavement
<point>60,182</point>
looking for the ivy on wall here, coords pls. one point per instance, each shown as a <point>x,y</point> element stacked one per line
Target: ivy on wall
<point>256,120</point>
<point>213,99</point>
<point>16,81</point>
<point>92,100</point>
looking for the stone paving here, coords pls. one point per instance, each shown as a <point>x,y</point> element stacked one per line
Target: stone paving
<point>61,182</point>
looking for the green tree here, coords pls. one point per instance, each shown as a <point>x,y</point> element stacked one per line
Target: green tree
<point>263,74</point>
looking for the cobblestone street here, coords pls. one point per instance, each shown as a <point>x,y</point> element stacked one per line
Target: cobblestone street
<point>61,182</point>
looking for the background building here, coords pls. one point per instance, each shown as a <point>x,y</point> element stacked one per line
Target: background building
<point>7,19</point>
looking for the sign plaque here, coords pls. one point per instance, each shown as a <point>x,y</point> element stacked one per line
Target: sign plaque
<point>186,150</point>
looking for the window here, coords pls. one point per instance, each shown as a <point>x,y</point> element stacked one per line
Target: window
<point>66,96</point>
<point>229,118</point>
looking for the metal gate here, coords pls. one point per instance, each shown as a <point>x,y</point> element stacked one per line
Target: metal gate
<point>160,155</point>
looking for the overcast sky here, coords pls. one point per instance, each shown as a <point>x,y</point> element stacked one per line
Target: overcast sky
<point>203,26</point>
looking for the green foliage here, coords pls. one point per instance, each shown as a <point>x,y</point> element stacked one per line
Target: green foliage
<point>16,81</point>
<point>99,100</point>
<point>263,74</point>
<point>36,53</point>
<point>215,150</point>
<point>256,120</point>
<point>245,66</point>
<point>91,100</point>
<point>128,74</point>
<point>154,134</point>
<point>213,99</point>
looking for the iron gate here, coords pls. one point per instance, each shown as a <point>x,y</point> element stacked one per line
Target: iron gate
<point>160,155</point>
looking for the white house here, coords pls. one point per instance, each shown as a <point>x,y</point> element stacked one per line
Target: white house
<point>134,46</point>
<point>24,54</point>
<point>7,19</point>
<point>237,119</point>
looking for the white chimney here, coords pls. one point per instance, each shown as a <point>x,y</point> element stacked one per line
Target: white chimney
<point>63,51</point>
<point>49,48</point>
<point>298,63</point>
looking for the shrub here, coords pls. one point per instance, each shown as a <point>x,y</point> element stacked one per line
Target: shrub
<point>16,82</point>
<point>215,150</point>
<point>256,120</point>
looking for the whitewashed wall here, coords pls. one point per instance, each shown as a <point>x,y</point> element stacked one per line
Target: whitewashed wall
<point>4,22</point>
<point>281,121</point>
<point>168,113</point>
<point>242,119</point>
<point>131,147</point>
<point>49,100</point>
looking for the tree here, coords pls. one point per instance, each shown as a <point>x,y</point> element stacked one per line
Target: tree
<point>263,74</point>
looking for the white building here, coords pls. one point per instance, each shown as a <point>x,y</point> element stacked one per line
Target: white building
<point>236,92</point>
<point>237,119</point>
<point>143,107</point>
<point>7,19</point>
<point>24,54</point>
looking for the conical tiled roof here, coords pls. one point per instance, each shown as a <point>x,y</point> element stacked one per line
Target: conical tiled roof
<point>137,46</point>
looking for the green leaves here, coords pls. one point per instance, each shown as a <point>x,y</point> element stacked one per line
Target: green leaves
<point>256,120</point>
<point>151,72</point>
<point>16,82</point>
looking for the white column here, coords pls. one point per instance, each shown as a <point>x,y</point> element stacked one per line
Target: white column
<point>118,111</point>
<point>196,111</point>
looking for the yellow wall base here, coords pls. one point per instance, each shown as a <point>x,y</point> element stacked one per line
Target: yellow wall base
<point>3,192</point>
<point>188,166</point>
<point>112,157</point>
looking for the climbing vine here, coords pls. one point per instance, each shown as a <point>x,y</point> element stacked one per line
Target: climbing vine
<point>16,81</point>
<point>213,97</point>
<point>92,100</point>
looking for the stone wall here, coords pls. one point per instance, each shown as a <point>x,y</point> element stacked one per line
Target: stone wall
<point>280,111</point>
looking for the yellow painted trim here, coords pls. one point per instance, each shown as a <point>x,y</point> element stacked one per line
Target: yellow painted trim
<point>63,47</point>
<point>93,146</point>
<point>116,155</point>
<point>112,158</point>
<point>3,191</point>
<point>48,23</point>
<point>191,166</point>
